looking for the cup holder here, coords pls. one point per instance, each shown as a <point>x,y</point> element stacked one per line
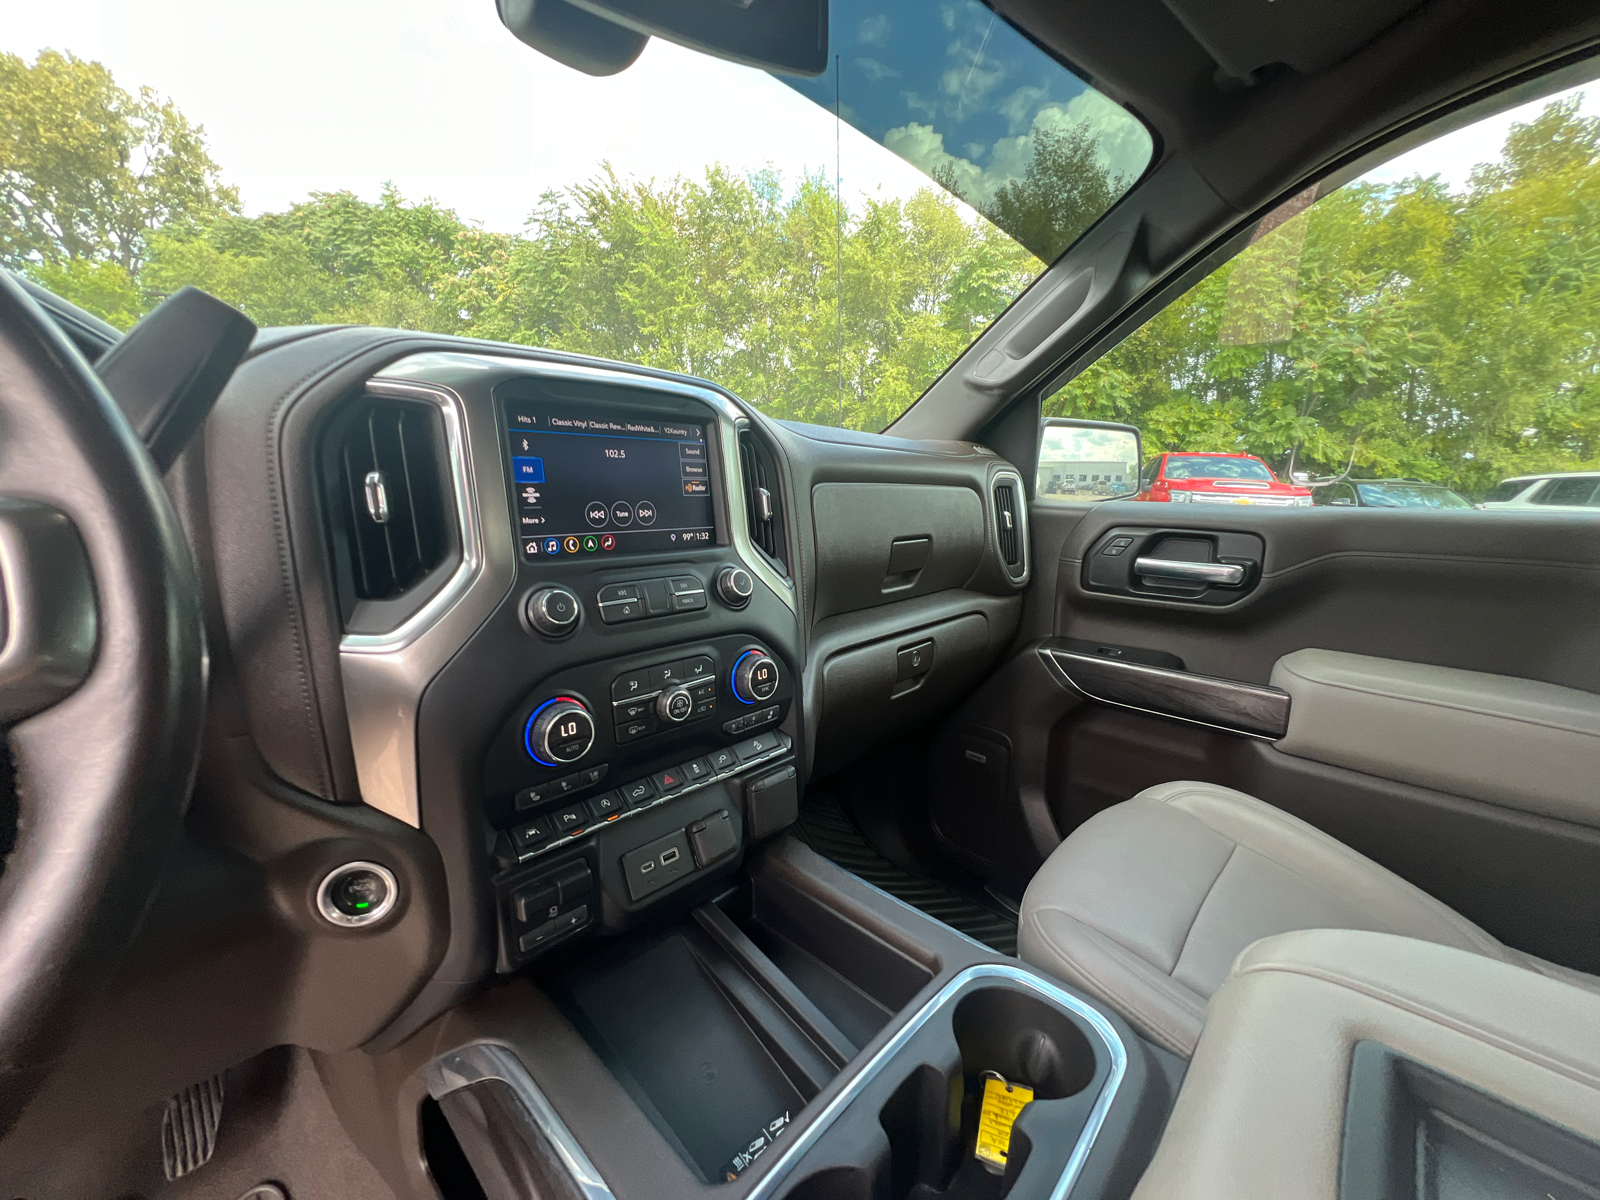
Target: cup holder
<point>931,1120</point>
<point>1026,1039</point>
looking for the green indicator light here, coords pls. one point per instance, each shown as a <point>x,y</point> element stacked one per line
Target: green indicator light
<point>363,904</point>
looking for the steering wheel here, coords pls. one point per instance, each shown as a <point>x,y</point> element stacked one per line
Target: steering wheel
<point>102,686</point>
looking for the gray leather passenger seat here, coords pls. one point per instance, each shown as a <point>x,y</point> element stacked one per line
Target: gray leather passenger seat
<point>1147,904</point>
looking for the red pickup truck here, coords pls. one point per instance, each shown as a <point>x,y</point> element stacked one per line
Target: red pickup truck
<point>1205,478</point>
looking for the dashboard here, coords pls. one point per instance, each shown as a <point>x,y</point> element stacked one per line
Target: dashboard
<point>609,626</point>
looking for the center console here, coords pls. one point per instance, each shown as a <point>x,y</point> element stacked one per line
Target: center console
<point>800,1035</point>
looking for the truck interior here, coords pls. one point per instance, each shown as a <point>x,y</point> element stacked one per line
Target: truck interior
<point>452,769</point>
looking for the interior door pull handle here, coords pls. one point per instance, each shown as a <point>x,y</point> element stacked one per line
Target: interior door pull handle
<point>1220,574</point>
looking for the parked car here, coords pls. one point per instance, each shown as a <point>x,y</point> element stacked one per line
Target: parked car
<point>1388,493</point>
<point>1571,491</point>
<point>1211,478</point>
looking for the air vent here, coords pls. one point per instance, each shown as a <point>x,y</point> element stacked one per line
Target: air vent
<point>389,500</point>
<point>763,499</point>
<point>1008,529</point>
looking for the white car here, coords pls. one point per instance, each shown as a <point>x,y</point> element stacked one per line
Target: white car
<point>1564,491</point>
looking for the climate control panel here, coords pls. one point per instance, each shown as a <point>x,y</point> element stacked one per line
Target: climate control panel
<point>630,717</point>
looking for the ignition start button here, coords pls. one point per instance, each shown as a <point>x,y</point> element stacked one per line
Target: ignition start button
<point>357,894</point>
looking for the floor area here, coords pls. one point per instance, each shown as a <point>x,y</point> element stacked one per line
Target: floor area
<point>827,829</point>
<point>278,1127</point>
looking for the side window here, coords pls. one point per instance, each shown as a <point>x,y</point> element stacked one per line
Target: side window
<point>1431,326</point>
<point>1577,492</point>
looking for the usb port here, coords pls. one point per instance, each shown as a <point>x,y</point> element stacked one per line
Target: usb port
<point>646,867</point>
<point>670,856</point>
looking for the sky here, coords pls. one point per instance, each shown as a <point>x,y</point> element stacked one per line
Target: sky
<point>1453,156</point>
<point>949,86</point>
<point>438,98</point>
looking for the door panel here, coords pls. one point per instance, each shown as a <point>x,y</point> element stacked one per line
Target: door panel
<point>1505,593</point>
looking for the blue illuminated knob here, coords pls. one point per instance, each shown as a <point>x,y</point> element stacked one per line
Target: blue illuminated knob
<point>755,677</point>
<point>559,731</point>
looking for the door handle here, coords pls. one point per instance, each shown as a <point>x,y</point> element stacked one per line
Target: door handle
<point>1217,574</point>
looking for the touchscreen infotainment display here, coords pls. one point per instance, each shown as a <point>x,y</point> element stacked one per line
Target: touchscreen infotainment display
<point>594,484</point>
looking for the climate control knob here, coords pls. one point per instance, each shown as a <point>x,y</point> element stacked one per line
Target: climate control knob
<point>755,677</point>
<point>735,586</point>
<point>553,611</point>
<point>559,731</point>
<point>675,705</point>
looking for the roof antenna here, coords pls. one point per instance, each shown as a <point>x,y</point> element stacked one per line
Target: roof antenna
<point>838,236</point>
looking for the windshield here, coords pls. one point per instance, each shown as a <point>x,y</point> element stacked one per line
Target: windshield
<point>414,165</point>
<point>1404,495</point>
<point>1199,466</point>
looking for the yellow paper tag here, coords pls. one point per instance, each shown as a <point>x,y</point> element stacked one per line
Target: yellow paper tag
<point>1002,1102</point>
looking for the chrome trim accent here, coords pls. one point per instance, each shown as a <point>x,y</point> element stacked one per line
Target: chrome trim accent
<point>1220,574</point>
<point>1059,661</point>
<point>494,1060</point>
<point>478,1062</point>
<point>1025,532</point>
<point>385,673</point>
<point>789,1158</point>
<point>330,914</point>
<point>377,498</point>
<point>453,411</point>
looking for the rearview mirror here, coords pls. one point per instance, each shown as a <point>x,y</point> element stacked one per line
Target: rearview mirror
<point>602,37</point>
<point>1087,460</point>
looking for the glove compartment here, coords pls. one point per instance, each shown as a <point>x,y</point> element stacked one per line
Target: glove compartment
<point>882,542</point>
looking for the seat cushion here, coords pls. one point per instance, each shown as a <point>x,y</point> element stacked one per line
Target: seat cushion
<point>1147,904</point>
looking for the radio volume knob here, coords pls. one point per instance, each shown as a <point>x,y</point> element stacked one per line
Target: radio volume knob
<point>553,611</point>
<point>559,731</point>
<point>755,677</point>
<point>735,586</point>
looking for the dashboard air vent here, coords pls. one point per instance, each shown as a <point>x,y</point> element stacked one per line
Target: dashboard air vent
<point>763,498</point>
<point>1008,526</point>
<point>390,499</point>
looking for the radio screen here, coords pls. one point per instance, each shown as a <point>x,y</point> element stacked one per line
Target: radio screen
<point>599,485</point>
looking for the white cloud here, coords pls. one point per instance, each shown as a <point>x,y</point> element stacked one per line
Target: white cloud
<point>874,30</point>
<point>923,147</point>
<point>1019,108</point>
<point>875,70</point>
<point>1124,146</point>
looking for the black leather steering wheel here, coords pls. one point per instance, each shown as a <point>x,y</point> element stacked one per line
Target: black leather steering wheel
<point>102,685</point>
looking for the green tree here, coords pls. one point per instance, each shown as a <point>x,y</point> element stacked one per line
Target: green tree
<point>337,259</point>
<point>1411,331</point>
<point>1063,191</point>
<point>89,172</point>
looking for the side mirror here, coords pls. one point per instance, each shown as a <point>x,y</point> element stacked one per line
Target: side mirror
<point>1087,460</point>
<point>1342,502</point>
<point>1300,477</point>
